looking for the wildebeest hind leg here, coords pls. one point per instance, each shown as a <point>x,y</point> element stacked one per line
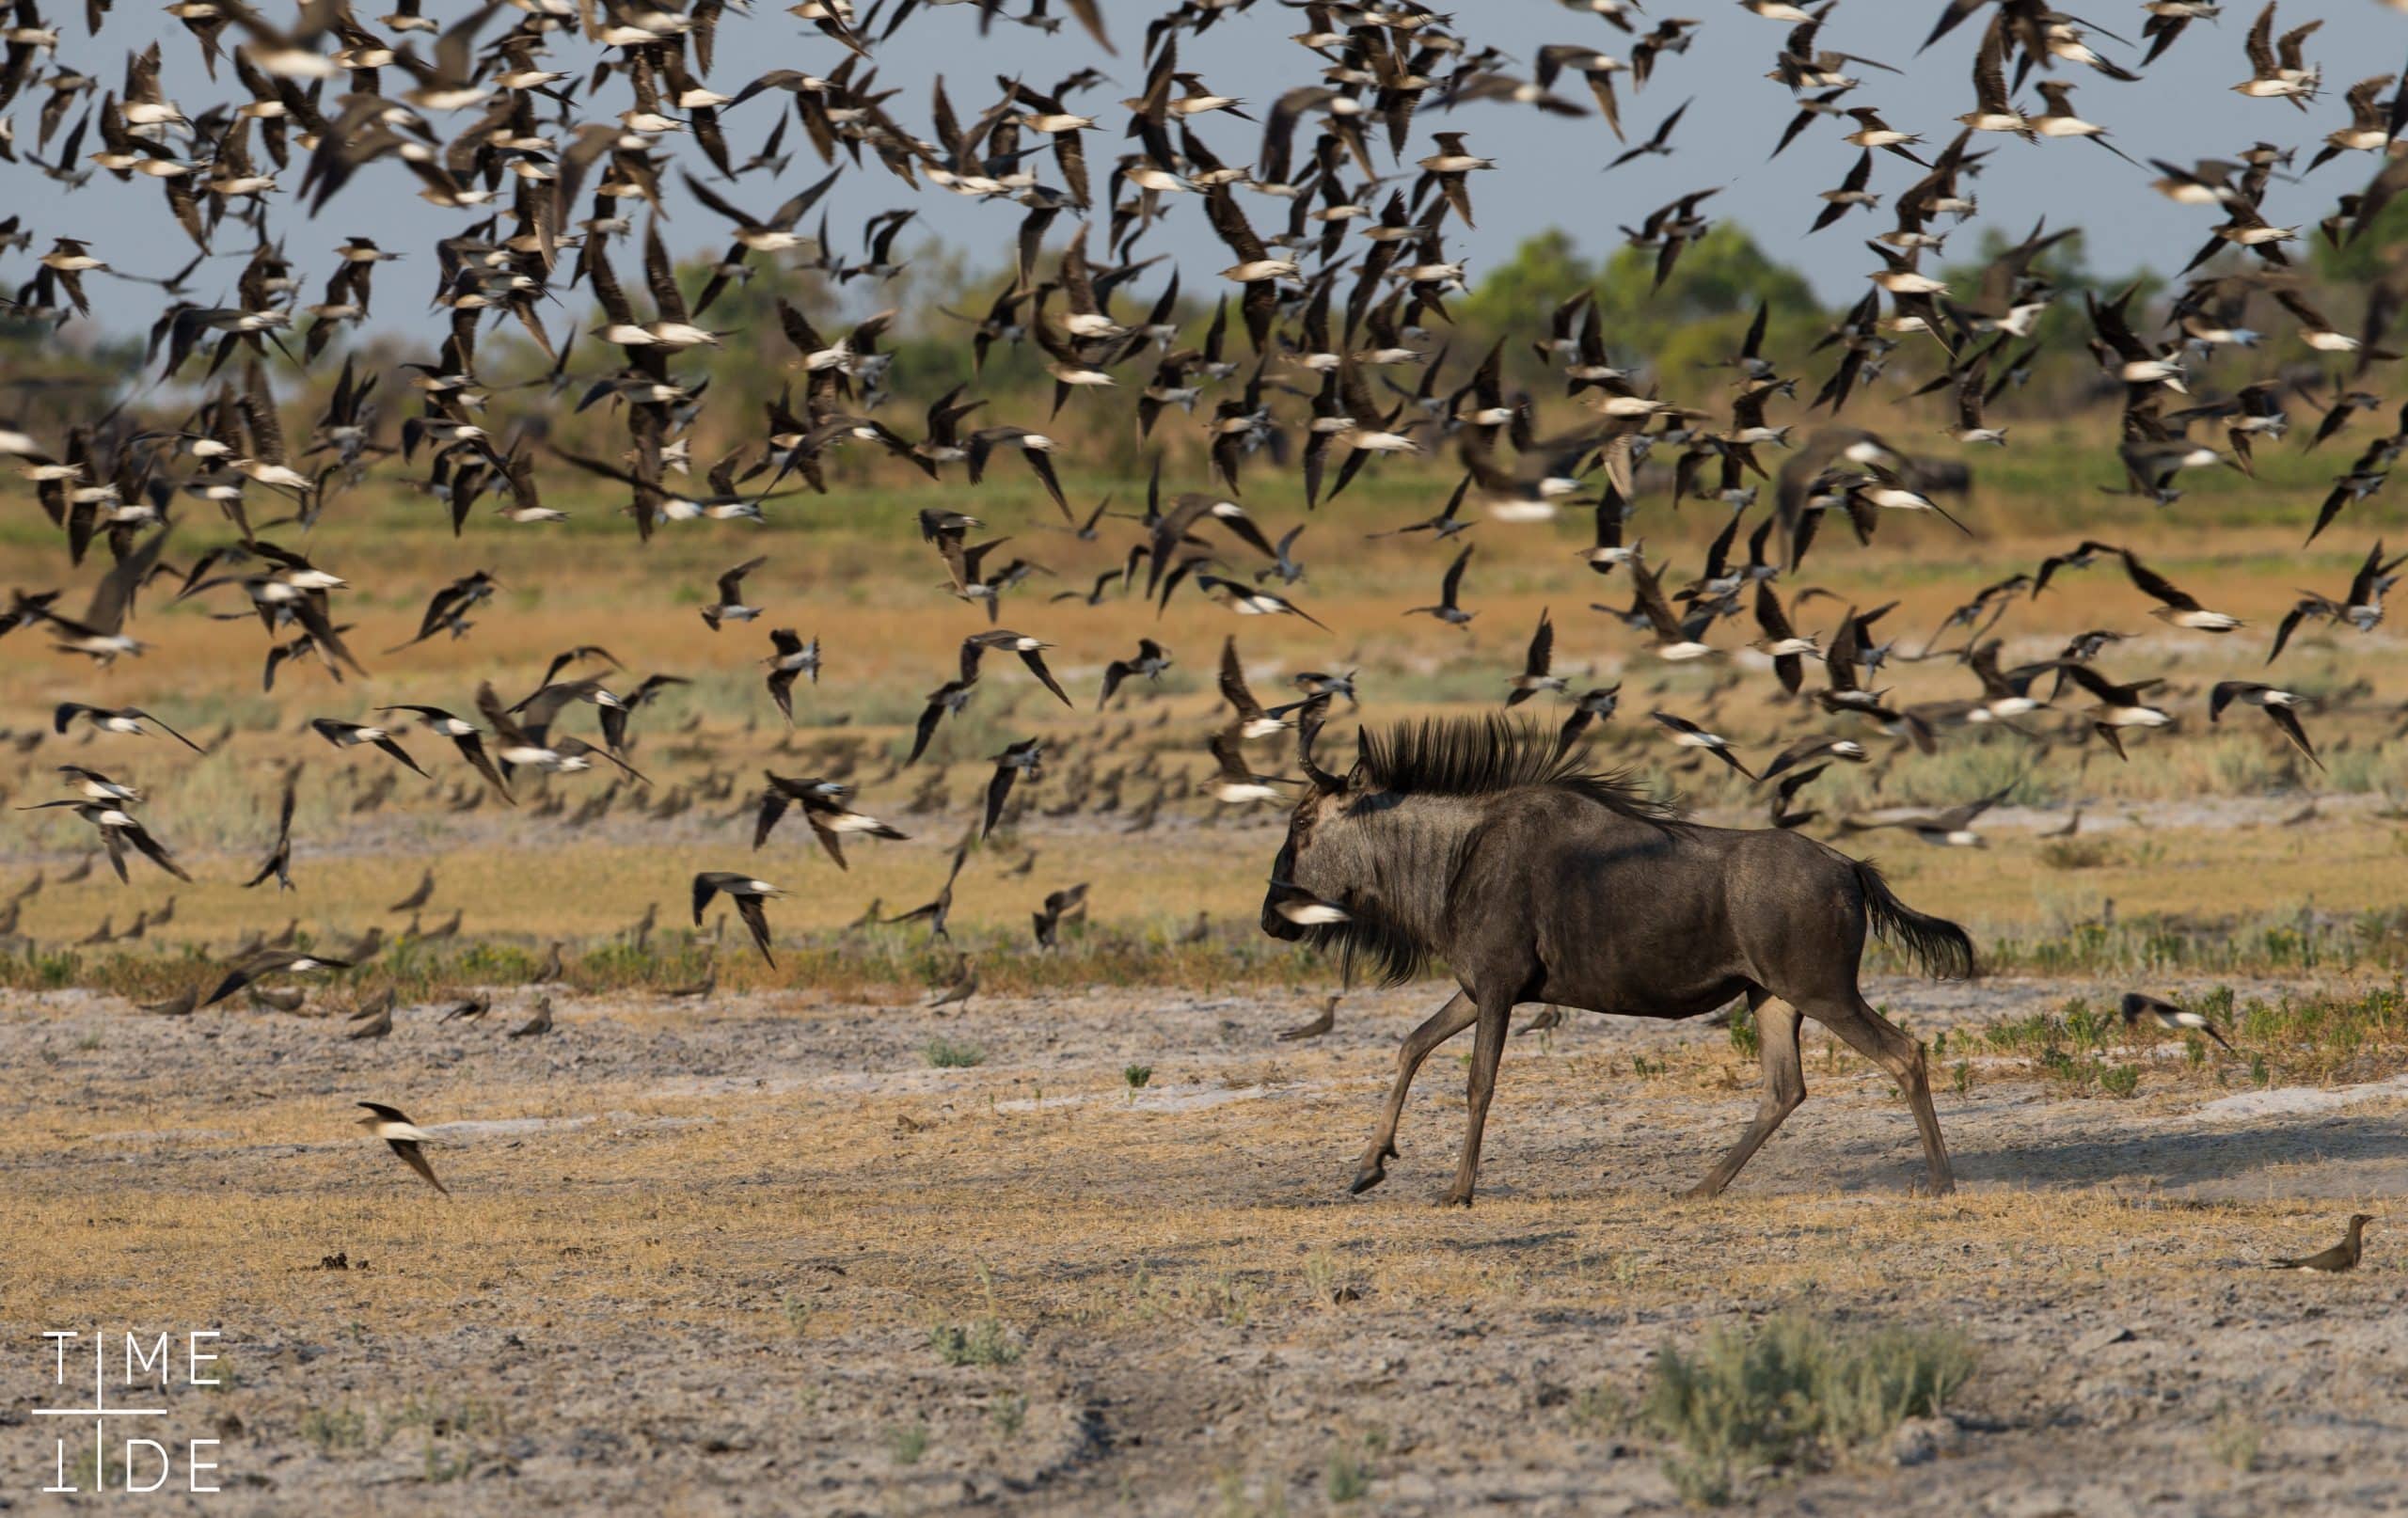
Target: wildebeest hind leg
<point>1785,1087</point>
<point>1441,1025</point>
<point>1488,1052</point>
<point>1885,1044</point>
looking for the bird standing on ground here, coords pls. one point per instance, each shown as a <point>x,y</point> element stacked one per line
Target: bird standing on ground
<point>541,1023</point>
<point>2341,1257</point>
<point>1319,1025</point>
<point>957,992</point>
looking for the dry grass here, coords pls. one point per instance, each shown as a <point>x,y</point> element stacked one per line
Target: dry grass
<point>1028,1229</point>
<point>851,568</point>
<point>955,1244</point>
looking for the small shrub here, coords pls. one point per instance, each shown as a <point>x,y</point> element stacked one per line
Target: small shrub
<point>1138,1075</point>
<point>339,1428</point>
<point>1321,1277</point>
<point>985,1342</point>
<point>2120,1080</point>
<point>2235,1439</point>
<point>947,1055</point>
<point>1228,1299</point>
<point>1744,1036</point>
<point>1347,1477</point>
<point>907,1445</point>
<point>441,1469</point>
<point>99,1471</point>
<point>1008,1412</point>
<point>2073,854</point>
<point>1792,1394</point>
<point>2088,1025</point>
<point>1602,1407</point>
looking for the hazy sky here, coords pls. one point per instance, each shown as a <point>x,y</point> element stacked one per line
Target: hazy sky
<point>1548,171</point>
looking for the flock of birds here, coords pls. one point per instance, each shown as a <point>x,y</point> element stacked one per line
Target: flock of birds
<point>543,137</point>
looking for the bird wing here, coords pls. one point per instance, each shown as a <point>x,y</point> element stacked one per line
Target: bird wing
<point>1233,686</point>
<point>1454,580</point>
<point>757,919</point>
<point>2150,583</point>
<point>415,1159</point>
<point>1035,661</point>
<point>929,715</point>
<point>2287,719</point>
<point>1541,651</point>
<point>169,731</point>
<point>472,749</point>
<point>773,806</point>
<point>998,789</point>
<point>400,753</point>
<point>1770,616</point>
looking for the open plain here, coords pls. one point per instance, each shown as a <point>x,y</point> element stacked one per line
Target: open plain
<point>838,784</point>
<point>757,1253</point>
<point>803,1244</point>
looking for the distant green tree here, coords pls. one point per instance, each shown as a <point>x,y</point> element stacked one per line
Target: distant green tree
<point>1520,295</point>
<point>1697,319</point>
<point>1723,272</point>
<point>2372,252</point>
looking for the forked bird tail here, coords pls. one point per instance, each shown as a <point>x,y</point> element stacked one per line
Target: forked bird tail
<point>1943,948</point>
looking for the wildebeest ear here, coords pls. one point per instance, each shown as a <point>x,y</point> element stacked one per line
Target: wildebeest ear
<point>1360,778</point>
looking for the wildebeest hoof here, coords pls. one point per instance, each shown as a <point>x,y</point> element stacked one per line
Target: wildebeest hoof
<point>1367,1177</point>
<point>1455,1197</point>
<point>1704,1190</point>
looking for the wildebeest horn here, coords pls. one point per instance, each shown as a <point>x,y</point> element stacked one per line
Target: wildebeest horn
<point>1307,729</point>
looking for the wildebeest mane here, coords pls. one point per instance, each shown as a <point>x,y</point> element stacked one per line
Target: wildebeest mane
<point>1467,756</point>
<point>1482,755</point>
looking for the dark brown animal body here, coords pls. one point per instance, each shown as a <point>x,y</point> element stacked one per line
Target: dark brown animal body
<point>1486,846</point>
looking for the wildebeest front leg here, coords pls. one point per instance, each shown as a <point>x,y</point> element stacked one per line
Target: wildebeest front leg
<point>1487,1052</point>
<point>1436,1029</point>
<point>1784,1088</point>
<point>1885,1044</point>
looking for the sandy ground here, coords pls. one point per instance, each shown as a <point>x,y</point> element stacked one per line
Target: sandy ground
<point>700,1257</point>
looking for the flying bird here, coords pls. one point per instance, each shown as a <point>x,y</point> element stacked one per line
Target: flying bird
<point>2281,708</point>
<point>1689,736</point>
<point>1538,663</point>
<point>404,1137</point>
<point>2168,1015</point>
<point>352,734</point>
<point>748,893</point>
<point>1027,757</point>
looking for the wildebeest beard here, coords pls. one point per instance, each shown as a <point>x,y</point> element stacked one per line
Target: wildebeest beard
<point>1371,940</point>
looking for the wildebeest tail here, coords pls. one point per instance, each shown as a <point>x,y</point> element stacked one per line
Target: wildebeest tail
<point>1943,948</point>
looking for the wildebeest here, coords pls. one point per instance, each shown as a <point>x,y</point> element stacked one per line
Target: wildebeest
<point>1488,845</point>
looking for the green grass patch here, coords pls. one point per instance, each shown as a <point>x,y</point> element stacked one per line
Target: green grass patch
<point>1793,1395</point>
